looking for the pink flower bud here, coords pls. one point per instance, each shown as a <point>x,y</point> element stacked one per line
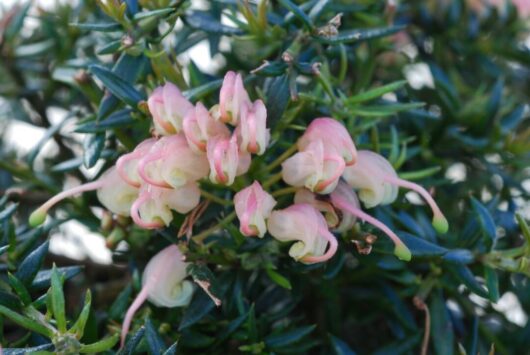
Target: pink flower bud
<point>314,167</point>
<point>163,284</point>
<point>232,98</point>
<point>199,126</point>
<point>333,135</point>
<point>226,162</point>
<point>172,163</point>
<point>377,183</point>
<point>127,164</point>
<point>252,129</point>
<point>253,206</point>
<point>305,225</point>
<point>152,209</point>
<point>112,191</point>
<point>168,107</point>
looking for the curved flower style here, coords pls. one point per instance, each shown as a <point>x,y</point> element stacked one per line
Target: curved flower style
<point>172,163</point>
<point>303,195</point>
<point>253,206</point>
<point>333,135</point>
<point>163,284</point>
<point>226,161</point>
<point>314,167</point>
<point>345,199</point>
<point>168,107</point>
<point>305,225</point>
<point>232,98</point>
<point>152,208</point>
<point>127,164</point>
<point>199,126</point>
<point>378,183</point>
<point>252,129</point>
<point>112,191</point>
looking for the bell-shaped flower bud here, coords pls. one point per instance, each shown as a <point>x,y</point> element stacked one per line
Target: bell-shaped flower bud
<point>199,126</point>
<point>321,203</point>
<point>305,225</point>
<point>253,206</point>
<point>252,129</point>
<point>163,284</point>
<point>314,168</point>
<point>152,209</point>
<point>334,137</point>
<point>112,191</point>
<point>377,183</point>
<point>232,98</point>
<point>127,164</point>
<point>226,161</point>
<point>168,108</point>
<point>172,163</point>
<point>345,200</point>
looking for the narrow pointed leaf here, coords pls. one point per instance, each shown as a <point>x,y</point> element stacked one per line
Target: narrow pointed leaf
<point>29,268</point>
<point>117,86</point>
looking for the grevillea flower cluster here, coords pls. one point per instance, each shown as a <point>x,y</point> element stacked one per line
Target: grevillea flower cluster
<point>192,143</point>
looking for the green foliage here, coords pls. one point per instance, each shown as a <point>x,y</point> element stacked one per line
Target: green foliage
<point>99,61</point>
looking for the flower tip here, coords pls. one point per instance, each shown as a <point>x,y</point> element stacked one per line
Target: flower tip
<point>37,218</point>
<point>402,252</point>
<point>440,224</point>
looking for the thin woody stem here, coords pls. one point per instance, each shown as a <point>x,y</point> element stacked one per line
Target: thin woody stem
<point>211,197</point>
<point>206,233</point>
<point>286,154</point>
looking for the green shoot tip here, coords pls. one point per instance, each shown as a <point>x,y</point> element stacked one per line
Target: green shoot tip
<point>37,218</point>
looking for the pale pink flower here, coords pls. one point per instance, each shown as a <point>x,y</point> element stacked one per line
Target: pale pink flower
<point>305,225</point>
<point>377,184</point>
<point>345,200</point>
<point>253,206</point>
<point>252,128</point>
<point>127,164</point>
<point>172,163</point>
<point>112,191</point>
<point>168,107</point>
<point>232,98</point>
<point>163,284</point>
<point>199,126</point>
<point>226,161</point>
<point>315,168</point>
<point>152,209</point>
<point>334,137</point>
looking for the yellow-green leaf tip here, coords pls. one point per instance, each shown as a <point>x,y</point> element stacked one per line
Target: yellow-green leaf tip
<point>440,224</point>
<point>402,252</point>
<point>37,218</point>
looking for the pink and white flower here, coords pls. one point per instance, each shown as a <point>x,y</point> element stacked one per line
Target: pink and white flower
<point>232,98</point>
<point>252,128</point>
<point>253,206</point>
<point>163,284</point>
<point>377,184</point>
<point>315,168</point>
<point>334,137</point>
<point>127,164</point>
<point>172,163</point>
<point>199,126</point>
<point>113,192</point>
<point>305,225</point>
<point>168,107</point>
<point>152,209</point>
<point>226,161</point>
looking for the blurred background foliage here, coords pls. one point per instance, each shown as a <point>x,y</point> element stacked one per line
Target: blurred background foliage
<point>438,87</point>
